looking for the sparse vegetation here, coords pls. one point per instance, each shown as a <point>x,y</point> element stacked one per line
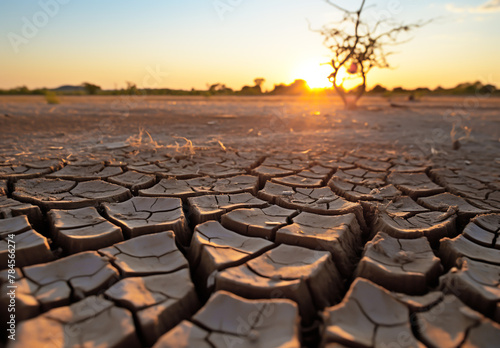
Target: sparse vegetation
<point>219,89</point>
<point>51,98</point>
<point>295,88</point>
<point>91,88</point>
<point>131,88</point>
<point>253,90</point>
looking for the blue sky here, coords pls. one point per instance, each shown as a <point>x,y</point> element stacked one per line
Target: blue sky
<point>191,43</point>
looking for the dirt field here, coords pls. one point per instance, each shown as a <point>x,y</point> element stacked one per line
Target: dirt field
<point>250,222</point>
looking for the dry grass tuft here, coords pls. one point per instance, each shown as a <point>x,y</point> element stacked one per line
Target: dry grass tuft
<point>144,140</point>
<point>51,98</point>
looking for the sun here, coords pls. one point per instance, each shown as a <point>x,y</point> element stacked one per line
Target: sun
<point>315,74</point>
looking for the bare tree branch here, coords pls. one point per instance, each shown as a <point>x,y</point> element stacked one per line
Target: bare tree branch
<point>362,46</point>
<point>338,7</point>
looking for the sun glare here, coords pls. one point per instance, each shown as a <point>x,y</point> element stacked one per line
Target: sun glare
<point>315,75</point>
<point>347,80</point>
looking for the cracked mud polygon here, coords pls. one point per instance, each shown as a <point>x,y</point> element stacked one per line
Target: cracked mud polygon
<point>203,223</point>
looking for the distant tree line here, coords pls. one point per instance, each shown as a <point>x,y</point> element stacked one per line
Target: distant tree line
<point>467,88</point>
<point>298,87</point>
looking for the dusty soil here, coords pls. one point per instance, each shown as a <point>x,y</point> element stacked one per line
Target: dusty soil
<point>138,221</point>
<point>303,123</point>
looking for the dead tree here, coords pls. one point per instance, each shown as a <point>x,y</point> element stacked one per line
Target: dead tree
<point>358,46</point>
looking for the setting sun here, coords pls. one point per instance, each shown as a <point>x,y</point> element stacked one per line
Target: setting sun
<point>315,74</point>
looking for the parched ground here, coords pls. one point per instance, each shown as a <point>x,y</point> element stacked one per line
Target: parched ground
<point>148,221</point>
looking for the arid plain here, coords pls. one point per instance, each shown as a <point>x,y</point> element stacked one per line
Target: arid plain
<point>143,221</point>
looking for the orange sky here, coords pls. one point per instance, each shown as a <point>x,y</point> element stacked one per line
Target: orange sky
<point>190,44</point>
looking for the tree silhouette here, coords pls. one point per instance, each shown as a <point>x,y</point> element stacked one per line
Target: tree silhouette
<point>253,90</point>
<point>358,47</point>
<point>131,88</point>
<point>259,81</point>
<point>90,88</point>
<point>298,87</point>
<point>219,88</point>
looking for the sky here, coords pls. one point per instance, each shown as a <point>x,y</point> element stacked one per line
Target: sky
<point>184,44</point>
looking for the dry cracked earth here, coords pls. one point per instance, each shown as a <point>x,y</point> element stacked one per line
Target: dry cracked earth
<point>139,244</point>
